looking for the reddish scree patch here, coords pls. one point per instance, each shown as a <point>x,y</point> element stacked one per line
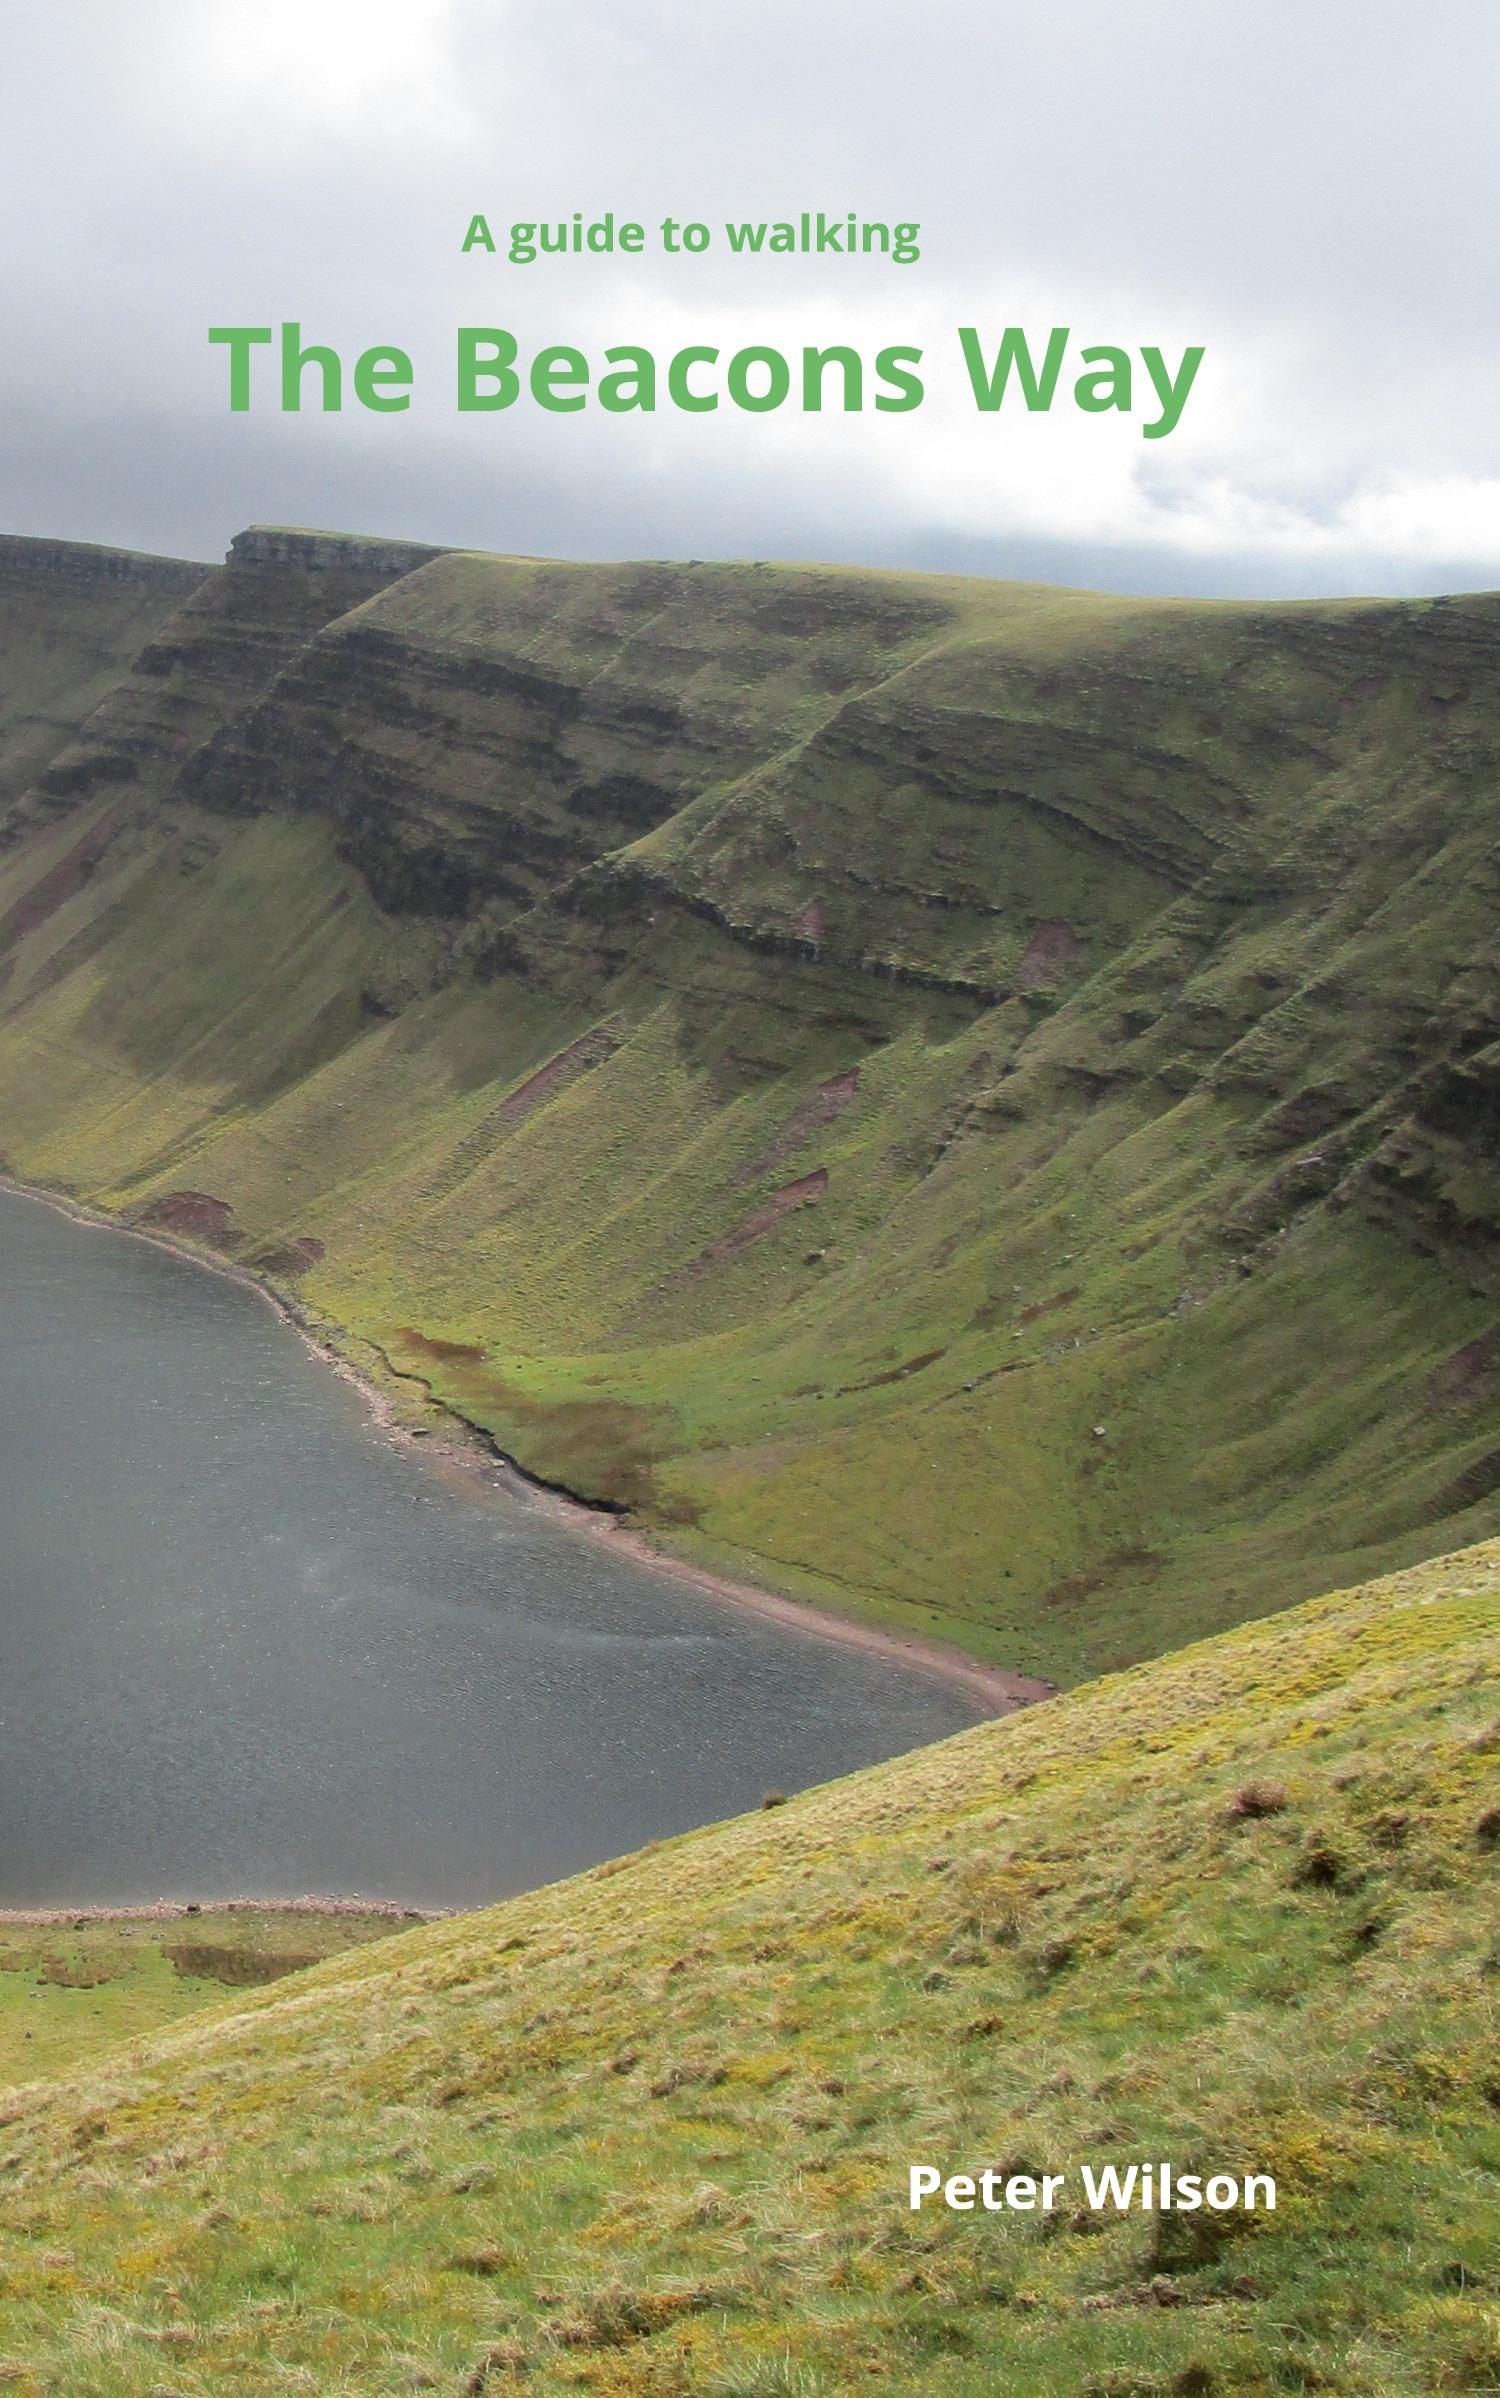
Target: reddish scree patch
<point>590,1049</point>
<point>1470,1373</point>
<point>1053,946</point>
<point>805,1192</point>
<point>810,1115</point>
<point>1049,1306</point>
<point>298,1257</point>
<point>61,881</point>
<point>441,1352</point>
<point>875,1382</point>
<point>197,1213</point>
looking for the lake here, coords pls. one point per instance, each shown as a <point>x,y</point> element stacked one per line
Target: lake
<point>252,1644</point>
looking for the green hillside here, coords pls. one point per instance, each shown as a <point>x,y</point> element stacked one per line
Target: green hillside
<point>72,1986</point>
<point>648,2132</point>
<point>72,621</point>
<point>972,1103</point>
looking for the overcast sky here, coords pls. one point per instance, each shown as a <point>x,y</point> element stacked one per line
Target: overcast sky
<point>1308,188</point>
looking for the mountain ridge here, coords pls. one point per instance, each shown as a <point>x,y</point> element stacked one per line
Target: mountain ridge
<point>759,1040</point>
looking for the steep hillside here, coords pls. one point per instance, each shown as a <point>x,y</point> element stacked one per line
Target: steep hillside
<point>72,620</point>
<point>648,2132</point>
<point>972,1102</point>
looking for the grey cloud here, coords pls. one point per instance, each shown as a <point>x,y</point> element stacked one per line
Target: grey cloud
<point>1315,189</point>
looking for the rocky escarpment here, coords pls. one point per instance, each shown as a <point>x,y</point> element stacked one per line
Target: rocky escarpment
<point>84,564</point>
<point>211,657</point>
<point>73,618</point>
<point>495,726</point>
<point>303,552</point>
<point>975,1098</point>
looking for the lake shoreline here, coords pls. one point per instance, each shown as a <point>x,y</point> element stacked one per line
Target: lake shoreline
<point>187,1910</point>
<point>470,1448</point>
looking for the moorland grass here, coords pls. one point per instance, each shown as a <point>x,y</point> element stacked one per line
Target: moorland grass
<point>74,1985</point>
<point>647,2131</point>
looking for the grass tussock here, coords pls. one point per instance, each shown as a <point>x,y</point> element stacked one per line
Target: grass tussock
<point>645,2134</point>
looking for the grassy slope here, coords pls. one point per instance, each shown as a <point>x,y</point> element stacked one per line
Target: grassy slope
<point>792,1052</point>
<point>646,2132</point>
<point>67,637</point>
<point>70,1989</point>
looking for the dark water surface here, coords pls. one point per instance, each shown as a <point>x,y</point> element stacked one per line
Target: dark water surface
<point>250,1644</point>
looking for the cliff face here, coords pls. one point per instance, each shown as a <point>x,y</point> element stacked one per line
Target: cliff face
<point>977,1098</point>
<point>493,725</point>
<point>298,551</point>
<point>85,565</point>
<point>208,655</point>
<point>72,618</point>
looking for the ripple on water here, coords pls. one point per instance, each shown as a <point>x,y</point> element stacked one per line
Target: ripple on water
<point>247,1643</point>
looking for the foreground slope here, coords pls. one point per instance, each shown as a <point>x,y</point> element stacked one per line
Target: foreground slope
<point>977,1103</point>
<point>73,1985</point>
<point>647,2131</point>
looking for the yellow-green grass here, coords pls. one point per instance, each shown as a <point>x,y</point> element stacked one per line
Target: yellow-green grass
<point>648,2131</point>
<point>71,1986</point>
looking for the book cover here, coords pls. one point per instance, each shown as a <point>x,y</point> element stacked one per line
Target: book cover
<point>749,1105</point>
